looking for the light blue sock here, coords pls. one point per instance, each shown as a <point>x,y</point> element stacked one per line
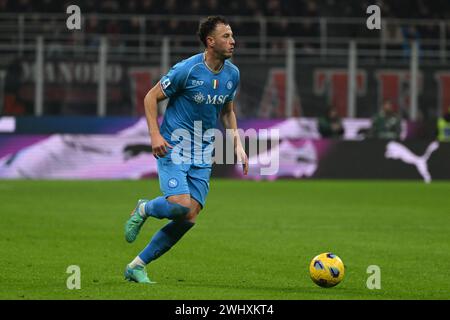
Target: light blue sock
<point>165,239</point>
<point>161,208</point>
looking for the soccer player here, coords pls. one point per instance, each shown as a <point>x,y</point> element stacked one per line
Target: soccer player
<point>200,88</point>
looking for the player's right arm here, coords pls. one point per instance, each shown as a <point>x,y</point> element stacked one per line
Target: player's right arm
<point>159,144</point>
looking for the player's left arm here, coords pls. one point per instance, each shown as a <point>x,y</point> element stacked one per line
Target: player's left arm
<point>228,118</point>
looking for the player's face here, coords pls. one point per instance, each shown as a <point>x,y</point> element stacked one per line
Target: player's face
<point>223,43</point>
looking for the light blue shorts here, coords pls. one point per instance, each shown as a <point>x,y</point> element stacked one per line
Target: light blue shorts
<point>175,179</point>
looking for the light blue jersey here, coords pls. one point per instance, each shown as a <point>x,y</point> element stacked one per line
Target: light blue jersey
<point>195,94</point>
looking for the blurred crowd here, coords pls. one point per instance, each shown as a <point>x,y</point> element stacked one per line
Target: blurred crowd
<point>281,9</point>
<point>436,9</point>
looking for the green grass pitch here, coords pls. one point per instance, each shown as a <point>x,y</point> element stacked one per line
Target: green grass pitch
<point>254,240</point>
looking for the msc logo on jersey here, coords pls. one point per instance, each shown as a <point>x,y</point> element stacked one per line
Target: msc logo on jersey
<point>216,99</point>
<point>199,97</point>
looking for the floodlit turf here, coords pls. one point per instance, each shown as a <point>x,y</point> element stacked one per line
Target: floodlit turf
<point>254,240</point>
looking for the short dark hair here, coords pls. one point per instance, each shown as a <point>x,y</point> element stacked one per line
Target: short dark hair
<point>208,25</point>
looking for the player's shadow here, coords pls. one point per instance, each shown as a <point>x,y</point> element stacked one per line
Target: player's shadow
<point>279,289</point>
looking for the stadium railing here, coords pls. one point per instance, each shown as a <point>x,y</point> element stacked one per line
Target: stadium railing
<point>261,37</point>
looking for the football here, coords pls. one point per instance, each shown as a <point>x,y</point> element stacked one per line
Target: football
<point>326,270</point>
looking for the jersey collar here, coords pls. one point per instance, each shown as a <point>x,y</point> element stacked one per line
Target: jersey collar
<point>215,72</point>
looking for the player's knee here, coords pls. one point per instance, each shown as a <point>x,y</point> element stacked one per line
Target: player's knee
<point>191,216</point>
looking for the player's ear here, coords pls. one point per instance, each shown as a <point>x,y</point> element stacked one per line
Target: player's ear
<point>210,41</point>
